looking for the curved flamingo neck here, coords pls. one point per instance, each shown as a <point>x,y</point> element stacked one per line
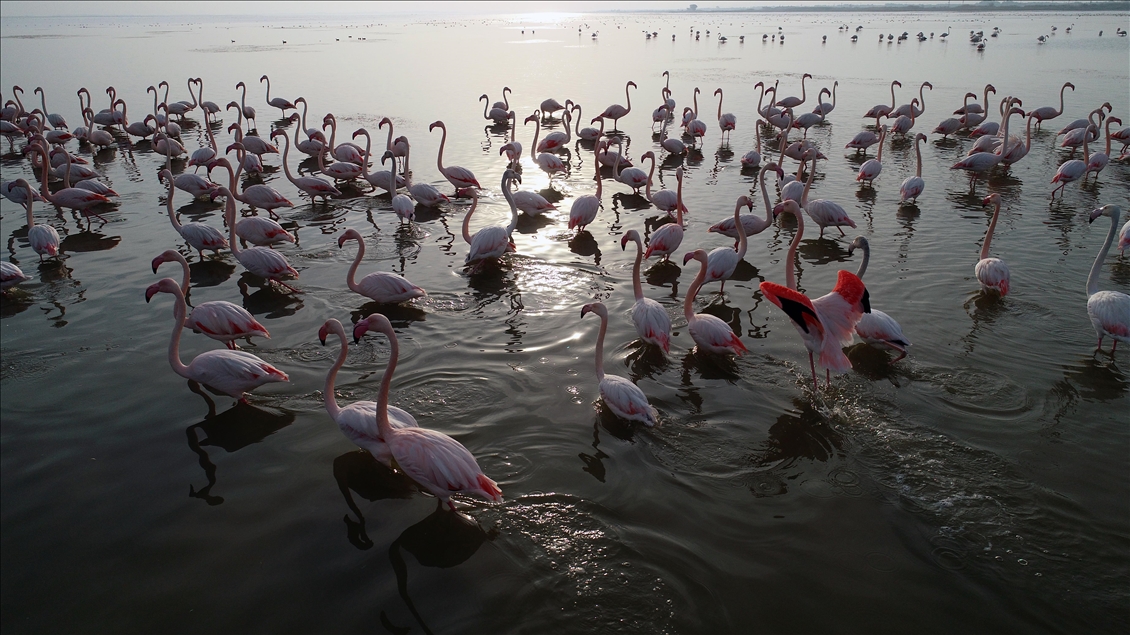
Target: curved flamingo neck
<point>695,102</point>
<point>1061,89</point>
<point>765,195</point>
<point>306,130</point>
<point>866,257</point>
<point>333,133</point>
<point>368,154</point>
<point>599,181</point>
<point>600,345</point>
<point>882,137</point>
<point>742,241</point>
<point>692,291</point>
<point>650,173</point>
<point>1108,122</point>
<point>989,232</point>
<point>27,207</point>
<point>893,95</point>
<point>918,153</point>
<point>1093,277</point>
<point>678,202</point>
<point>577,126</point>
<point>242,97</point>
<point>45,161</point>
<point>388,142</point>
<point>720,95</point>
<point>383,426</point>
<point>179,311</point>
<point>537,131</point>
<point>442,142</point>
<point>802,89</point>
<point>169,204</point>
<point>760,98</point>
<point>229,214</point>
<point>812,175</point>
<point>467,219</point>
<point>628,97</point>
<point>349,278</point>
<point>637,287</point>
<point>286,151</point>
<point>790,260</point>
<point>509,196</point>
<point>331,377</point>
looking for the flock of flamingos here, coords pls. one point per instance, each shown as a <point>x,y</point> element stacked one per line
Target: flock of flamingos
<point>435,461</point>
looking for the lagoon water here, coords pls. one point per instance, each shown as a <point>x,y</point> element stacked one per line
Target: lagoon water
<point>980,484</point>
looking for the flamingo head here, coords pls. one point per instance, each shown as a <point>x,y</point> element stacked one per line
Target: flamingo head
<point>436,124</point>
<point>232,104</point>
<point>1070,85</point>
<point>595,307</point>
<point>484,96</point>
<point>278,132</point>
<point>239,85</point>
<point>293,118</point>
<point>744,201</point>
<point>698,254</point>
<point>164,285</point>
<point>163,83</point>
<point>919,137</point>
<point>759,85</point>
<point>928,85</point>
<point>808,75</point>
<point>325,330</point>
<point>262,79</point>
<point>534,117</point>
<point>629,235</point>
<point>164,174</point>
<point>1113,120</point>
<point>991,199</point>
<point>360,131</point>
<point>386,156</point>
<point>383,122</point>
<point>233,127</point>
<point>648,155</point>
<point>506,148</point>
<point>375,322</point>
<point>237,146</point>
<point>899,84</point>
<point>511,175</point>
<point>718,91</point>
<point>632,84</point>
<point>1112,211</point>
<point>1016,111</point>
<point>789,206</point>
<point>166,256</point>
<point>349,234</point>
<point>860,242</point>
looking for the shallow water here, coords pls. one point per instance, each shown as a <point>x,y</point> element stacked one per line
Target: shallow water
<point>979,484</point>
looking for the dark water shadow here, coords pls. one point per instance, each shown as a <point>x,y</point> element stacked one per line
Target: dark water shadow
<point>358,472</point>
<point>400,315</point>
<point>267,301</point>
<point>709,366</point>
<point>210,272</point>
<point>800,435</point>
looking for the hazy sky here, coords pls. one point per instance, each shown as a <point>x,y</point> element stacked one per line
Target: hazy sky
<point>17,8</point>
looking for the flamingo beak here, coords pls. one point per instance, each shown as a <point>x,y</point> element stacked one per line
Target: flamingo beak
<point>586,309</point>
<point>687,258</point>
<point>150,291</point>
<point>623,246</point>
<point>156,263</point>
<point>779,208</point>
<point>1094,215</point>
<point>360,329</point>
<point>322,335</point>
<point>987,200</point>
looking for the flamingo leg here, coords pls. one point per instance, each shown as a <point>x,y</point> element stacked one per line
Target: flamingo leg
<point>1100,345</point>
<point>827,378</point>
<point>1113,348</point>
<point>812,365</point>
<point>292,289</point>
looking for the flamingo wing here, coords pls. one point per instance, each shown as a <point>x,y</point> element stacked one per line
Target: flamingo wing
<point>653,325</point>
<point>390,288</point>
<point>441,464</point>
<point>223,320</point>
<point>627,401</point>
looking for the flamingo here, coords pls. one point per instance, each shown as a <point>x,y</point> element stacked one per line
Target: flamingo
<point>247,112</point>
<point>198,235</point>
<point>1109,310</point>
<point>493,241</point>
<point>723,261</point>
<point>505,103</point>
<point>696,128</point>
<point>73,198</point>
<point>622,397</point>
<point>975,108</point>
<point>220,320</point>
<point>100,138</point>
<point>652,322</point>
<point>460,177</point>
<point>42,238</point>
<point>1071,171</point>
<point>202,156</point>
<point>1099,160</point>
<point>544,160</point>
<point>312,185</point>
<point>1049,112</point>
<point>864,139</point>
<point>752,158</point>
<point>340,171</point>
<point>871,168</point>
<point>584,134</point>
<point>664,200</point>
<point>911,109</point>
<point>727,122</point>
<point>606,157</point>
<point>948,126</point>
<point>1018,151</point>
<point>824,108</point>
<point>424,193</point>
<point>387,180</point>
<point>555,140</point>
<point>710,334</point>
<point>670,144</point>
<point>345,152</point>
<point>314,143</point>
<point>616,112</point>
<point>992,273</point>
<point>10,275</point>
<point>584,209</point>
<point>1073,137</point>
<point>513,150</point>
<point>877,328</point>
<point>209,108</point>
<point>659,116</point>
<point>402,204</point>
<point>194,184</point>
<point>278,102</point>
<point>550,106</point>
<point>261,196</point>
<point>823,212</point>
<point>904,123</point>
<point>261,261</point>
<point>667,238</point>
<point>56,121</point>
<point>913,186</point>
<point>436,462</point>
<point>228,371</point>
<point>496,114</point>
<point>634,178</point>
<point>1122,136</point>
<point>825,324</point>
<point>380,286</point>
<point>809,119</point>
<point>358,421</point>
<point>18,195</point>
<point>982,162</point>
<point>793,102</point>
<point>666,93</point>
<point>252,143</point>
<point>751,224</point>
<point>882,110</point>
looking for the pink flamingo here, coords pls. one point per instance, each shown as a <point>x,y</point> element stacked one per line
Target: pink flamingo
<point>870,170</point>
<point>436,462</point>
<point>1074,133</point>
<point>809,119</point>
<point>912,110</point>
<point>904,123</point>
<point>823,212</point>
<point>982,162</point>
<point>1071,171</point>
<point>723,261</point>
<point>752,158</point>
<point>827,323</point>
<point>340,171</point>
<point>545,161</point>
<point>460,177</point>
<point>56,121</point>
<point>222,321</point>
<point>42,238</point>
<point>1049,112</point>
<point>793,102</point>
<point>1109,310</point>
<point>616,112</point>
<point>653,325</point>
<point>312,185</point>
<point>198,235</point>
<point>491,243</point>
<point>497,115</point>
<point>550,106</point>
<point>399,147</point>
<point>864,139</point>
<point>634,178</point>
<point>231,372</point>
<point>246,111</point>
<point>345,152</point>
<point>252,143</point>
<point>663,200</point>
<point>992,273</point>
<point>913,186</point>
<point>728,122</point>
<point>710,334</point>
<point>1099,160</point>
<point>556,140</point>
<point>1018,151</point>
<point>584,134</point>
<point>622,397</point>
<point>70,197</point>
<point>505,103</point>
<point>380,286</point>
<point>877,328</point>
<point>387,180</point>
<point>209,108</point>
<point>751,223</point>
<point>667,238</point>
<point>424,193</point>
<point>10,275</point>
<point>261,196</point>
<point>882,110</point>
<point>824,108</point>
<point>261,261</point>
<point>358,420</point>
<point>278,102</point>
<point>584,209</point>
